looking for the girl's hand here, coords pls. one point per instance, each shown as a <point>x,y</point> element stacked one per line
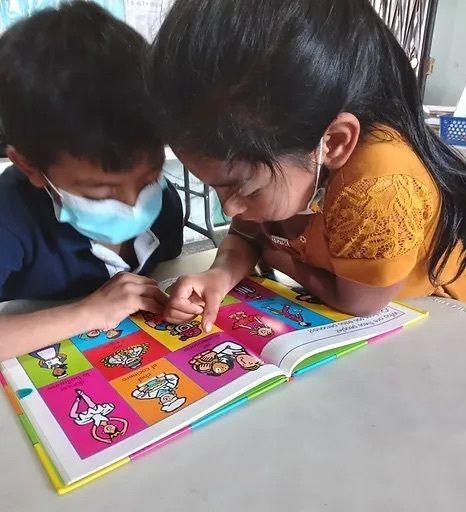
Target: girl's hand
<point>199,294</point>
<point>121,296</point>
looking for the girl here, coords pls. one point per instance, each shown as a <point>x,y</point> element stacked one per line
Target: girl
<point>305,116</point>
<point>105,428</point>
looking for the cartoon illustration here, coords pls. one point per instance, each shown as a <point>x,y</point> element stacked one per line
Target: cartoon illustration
<point>110,334</point>
<point>105,428</point>
<point>247,291</point>
<point>155,322</point>
<point>129,357</point>
<point>187,330</point>
<point>296,314</point>
<point>221,358</point>
<point>183,331</point>
<point>163,387</point>
<point>253,323</point>
<point>51,359</point>
<point>304,296</point>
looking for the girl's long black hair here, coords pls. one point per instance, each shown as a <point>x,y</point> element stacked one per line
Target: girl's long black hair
<point>259,80</point>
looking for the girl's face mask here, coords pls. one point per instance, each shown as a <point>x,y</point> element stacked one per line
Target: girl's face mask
<point>109,220</point>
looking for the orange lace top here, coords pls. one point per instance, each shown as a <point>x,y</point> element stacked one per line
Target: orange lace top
<point>378,221</point>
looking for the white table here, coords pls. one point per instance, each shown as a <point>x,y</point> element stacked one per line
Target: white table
<point>382,429</point>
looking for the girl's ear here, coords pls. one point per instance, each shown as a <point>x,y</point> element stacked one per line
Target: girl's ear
<point>340,139</point>
<point>24,165</point>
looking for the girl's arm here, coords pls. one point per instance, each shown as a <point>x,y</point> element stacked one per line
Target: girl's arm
<point>239,252</point>
<point>236,259</point>
<point>348,296</point>
<point>202,293</point>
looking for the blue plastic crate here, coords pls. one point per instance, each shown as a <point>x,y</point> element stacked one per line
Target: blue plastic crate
<point>453,130</point>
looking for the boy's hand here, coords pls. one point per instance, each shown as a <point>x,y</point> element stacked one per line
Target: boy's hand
<point>121,296</point>
<point>199,294</point>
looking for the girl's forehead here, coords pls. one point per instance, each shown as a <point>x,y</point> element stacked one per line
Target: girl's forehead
<point>217,173</point>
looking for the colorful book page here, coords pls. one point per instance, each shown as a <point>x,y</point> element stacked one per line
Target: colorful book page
<point>104,386</point>
<point>98,337</point>
<point>215,361</point>
<point>90,412</point>
<point>158,390</point>
<point>172,336</point>
<point>54,363</point>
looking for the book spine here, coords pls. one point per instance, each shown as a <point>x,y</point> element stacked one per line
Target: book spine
<point>32,435</point>
<point>314,365</point>
<point>159,443</point>
<point>44,458</point>
<point>208,418</point>
<point>381,337</point>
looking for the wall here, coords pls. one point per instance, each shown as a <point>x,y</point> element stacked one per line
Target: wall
<point>144,15</point>
<point>445,85</point>
<point>13,10</point>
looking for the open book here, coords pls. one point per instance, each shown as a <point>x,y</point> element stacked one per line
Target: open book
<point>103,398</point>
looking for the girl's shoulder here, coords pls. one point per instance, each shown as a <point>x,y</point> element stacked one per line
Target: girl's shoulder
<point>383,202</point>
<point>382,165</point>
<point>380,154</point>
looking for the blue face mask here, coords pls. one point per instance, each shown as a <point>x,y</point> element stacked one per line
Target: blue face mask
<point>108,220</point>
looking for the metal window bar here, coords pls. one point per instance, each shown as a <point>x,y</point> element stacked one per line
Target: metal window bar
<point>412,23</point>
<point>209,231</point>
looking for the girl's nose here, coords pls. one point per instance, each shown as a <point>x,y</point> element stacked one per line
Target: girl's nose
<point>233,207</point>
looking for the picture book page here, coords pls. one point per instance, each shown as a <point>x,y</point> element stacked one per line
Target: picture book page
<point>86,423</point>
<point>105,394</point>
<point>290,349</point>
<point>258,311</point>
<point>284,324</point>
<point>99,396</point>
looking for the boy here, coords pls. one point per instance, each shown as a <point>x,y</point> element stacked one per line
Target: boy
<point>85,198</point>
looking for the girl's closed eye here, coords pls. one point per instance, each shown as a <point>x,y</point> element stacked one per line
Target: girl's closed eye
<point>252,195</point>
<point>253,188</point>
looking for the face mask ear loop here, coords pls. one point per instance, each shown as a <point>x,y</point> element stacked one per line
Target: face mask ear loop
<point>52,186</point>
<point>320,161</point>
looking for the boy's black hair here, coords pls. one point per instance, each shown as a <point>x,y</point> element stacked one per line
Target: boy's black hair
<point>260,80</point>
<point>72,80</point>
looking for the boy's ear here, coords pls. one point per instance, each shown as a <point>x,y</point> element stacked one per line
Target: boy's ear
<point>340,139</point>
<point>33,174</point>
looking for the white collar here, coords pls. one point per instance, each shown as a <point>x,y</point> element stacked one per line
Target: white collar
<point>144,246</point>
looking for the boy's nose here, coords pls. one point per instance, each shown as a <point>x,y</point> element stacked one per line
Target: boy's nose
<point>127,195</point>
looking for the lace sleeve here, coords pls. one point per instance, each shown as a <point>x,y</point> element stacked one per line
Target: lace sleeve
<point>379,218</point>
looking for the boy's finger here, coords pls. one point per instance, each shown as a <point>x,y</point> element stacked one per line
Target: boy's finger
<point>182,289</point>
<point>129,277</point>
<point>150,305</point>
<point>150,290</point>
<point>182,315</point>
<point>185,306</point>
<point>160,296</point>
<point>195,299</point>
<point>212,305</point>
<point>174,316</point>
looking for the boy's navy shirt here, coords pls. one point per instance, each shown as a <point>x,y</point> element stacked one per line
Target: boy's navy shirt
<point>43,259</point>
